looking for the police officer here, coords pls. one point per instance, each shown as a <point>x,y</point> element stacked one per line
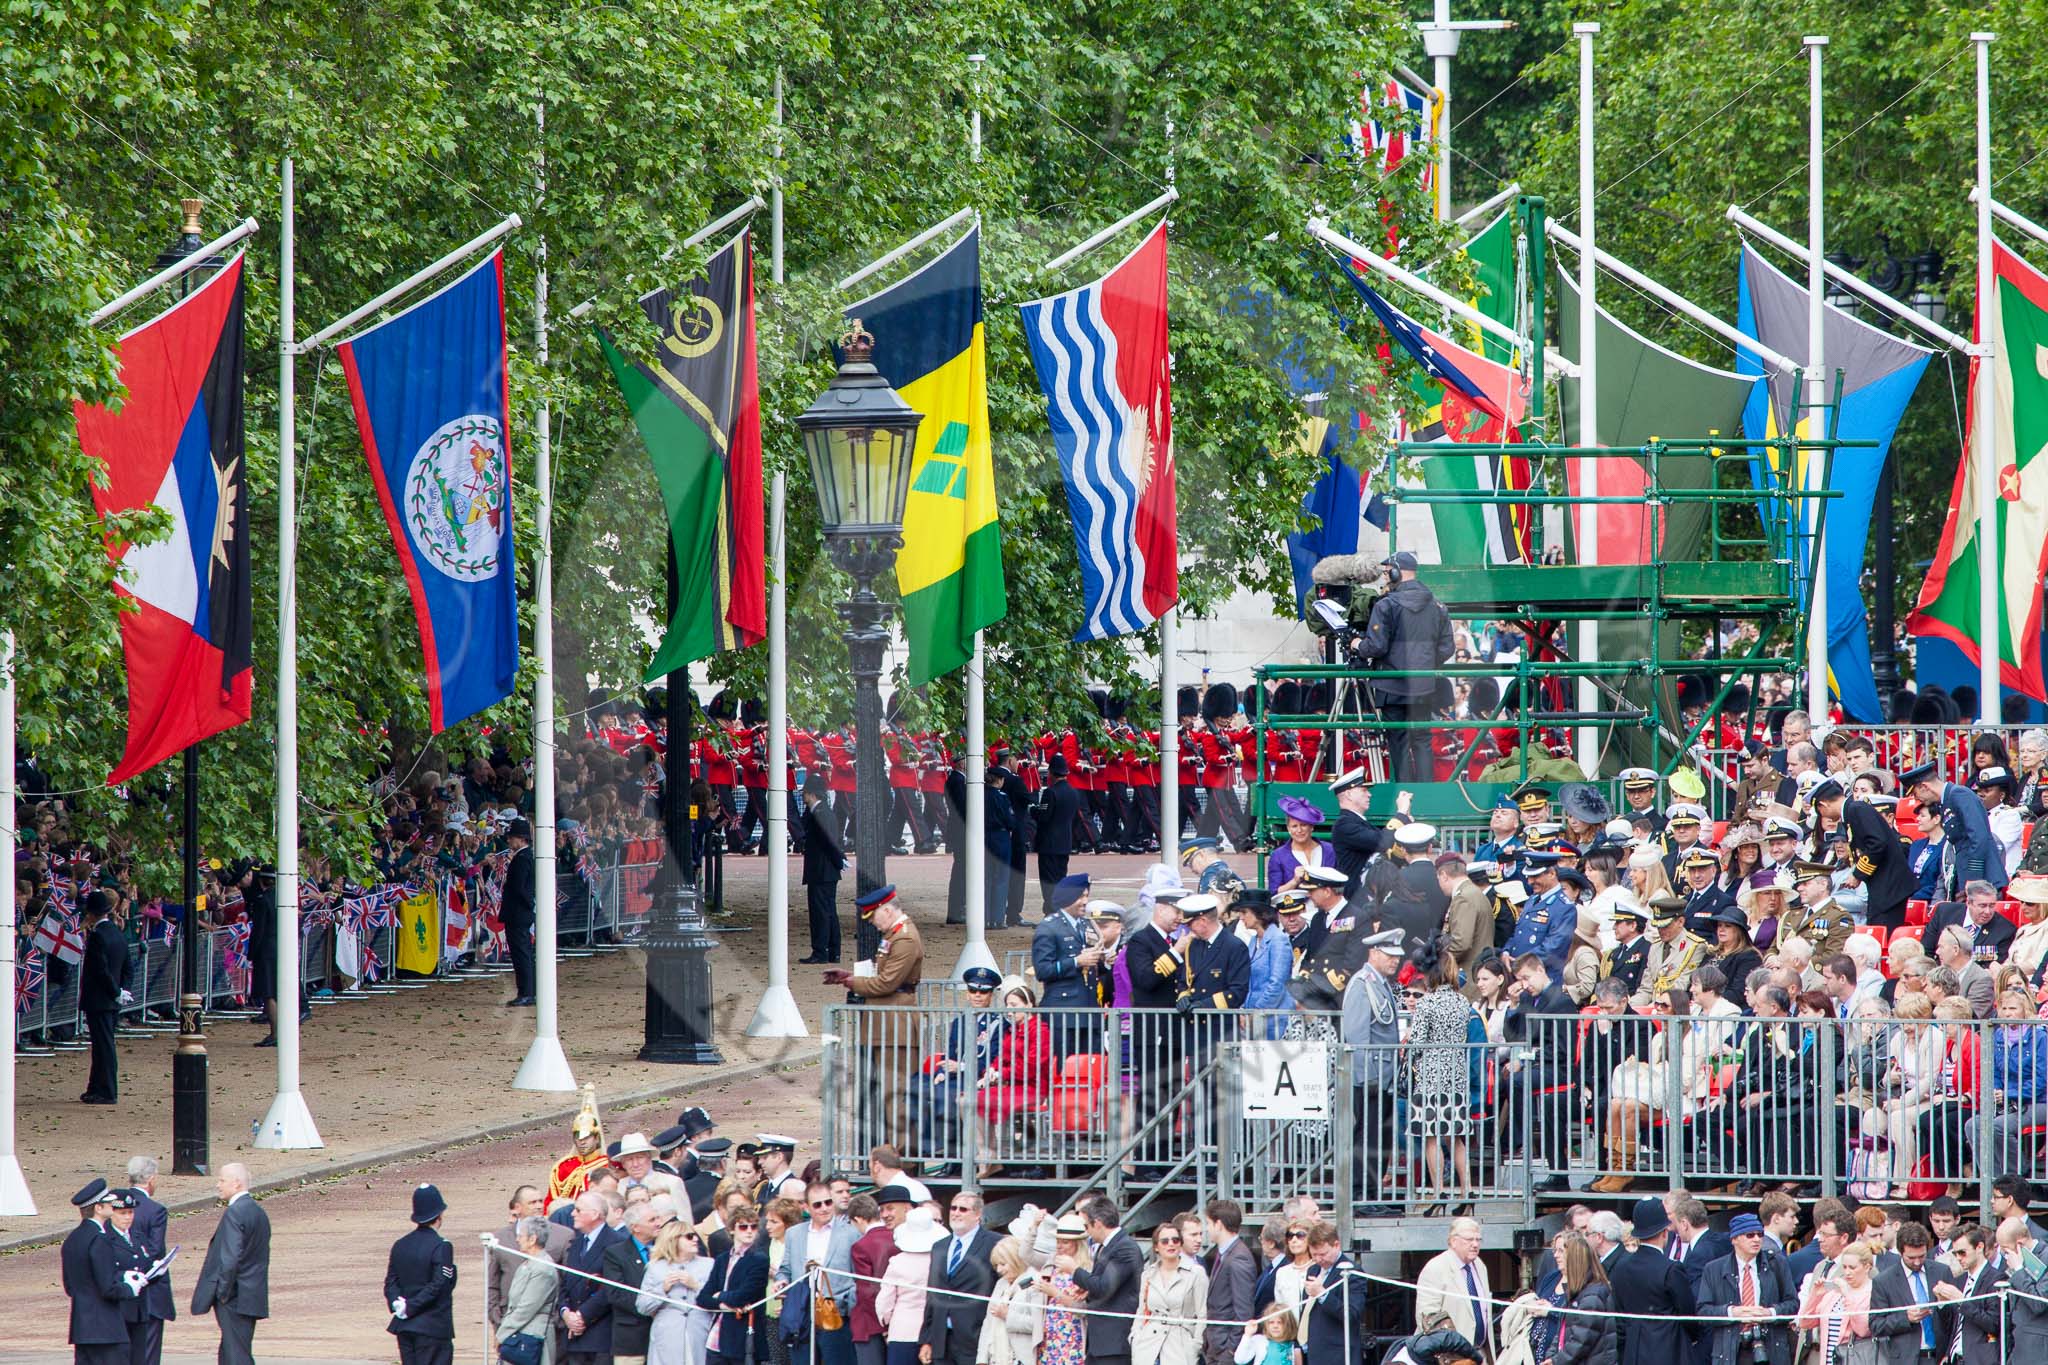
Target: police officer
<point>98,1333</point>
<point>1631,951</point>
<point>419,1284</point>
<point>127,1262</point>
<point>1548,917</point>
<point>1410,631</point>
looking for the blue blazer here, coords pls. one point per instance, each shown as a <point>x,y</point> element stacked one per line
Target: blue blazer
<point>1968,828</point>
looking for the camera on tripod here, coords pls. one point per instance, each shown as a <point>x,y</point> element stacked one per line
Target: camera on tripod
<point>1346,586</point>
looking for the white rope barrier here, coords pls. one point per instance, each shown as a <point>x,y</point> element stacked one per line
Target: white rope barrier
<point>493,1246</point>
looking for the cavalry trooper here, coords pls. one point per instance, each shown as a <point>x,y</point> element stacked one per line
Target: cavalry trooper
<point>1675,953</point>
<point>1639,793</point>
<point>1626,960</point>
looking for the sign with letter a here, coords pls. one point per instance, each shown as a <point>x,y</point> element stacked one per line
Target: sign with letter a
<point>1285,1079</point>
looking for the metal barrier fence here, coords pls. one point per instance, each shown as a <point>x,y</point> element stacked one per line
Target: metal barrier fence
<point>1885,1108</point>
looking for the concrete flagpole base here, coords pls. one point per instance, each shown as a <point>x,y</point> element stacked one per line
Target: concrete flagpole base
<point>288,1127</point>
<point>546,1066</point>
<point>778,1016</point>
<point>975,954</point>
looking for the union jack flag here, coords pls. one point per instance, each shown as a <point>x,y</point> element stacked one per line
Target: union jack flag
<point>235,955</point>
<point>29,976</point>
<point>1393,122</point>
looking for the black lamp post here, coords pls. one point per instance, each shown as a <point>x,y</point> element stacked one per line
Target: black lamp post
<point>189,1119</point>
<point>859,437</point>
<point>678,1025</point>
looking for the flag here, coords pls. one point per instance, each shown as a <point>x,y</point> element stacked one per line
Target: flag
<point>419,933</point>
<point>1101,353</point>
<point>699,414</point>
<point>29,975</point>
<point>1878,375</point>
<point>433,405</point>
<point>1338,501</point>
<point>176,444</point>
<point>2016,328</point>
<point>59,938</point>
<point>929,346</point>
<point>1646,392</point>
<point>1396,122</point>
<point>1469,399</point>
<point>455,915</point>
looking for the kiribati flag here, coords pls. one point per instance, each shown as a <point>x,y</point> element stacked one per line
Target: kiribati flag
<point>1101,353</point>
<point>432,402</point>
<point>176,444</point>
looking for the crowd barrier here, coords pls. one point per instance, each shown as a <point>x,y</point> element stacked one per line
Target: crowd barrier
<point>346,951</point>
<point>1884,1108</point>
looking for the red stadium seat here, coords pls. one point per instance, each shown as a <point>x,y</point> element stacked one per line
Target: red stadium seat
<point>1077,1093</point>
<point>1916,913</point>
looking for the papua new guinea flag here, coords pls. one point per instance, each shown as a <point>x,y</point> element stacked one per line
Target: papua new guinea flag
<point>176,444</point>
<point>432,402</point>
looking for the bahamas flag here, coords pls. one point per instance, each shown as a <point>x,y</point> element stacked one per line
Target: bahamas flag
<point>929,346</point>
<point>1879,373</point>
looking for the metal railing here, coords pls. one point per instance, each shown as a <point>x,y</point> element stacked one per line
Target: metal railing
<point>1882,1107</point>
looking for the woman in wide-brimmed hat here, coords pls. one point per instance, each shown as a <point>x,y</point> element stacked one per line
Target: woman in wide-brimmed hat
<point>1302,849</point>
<point>1742,852</point>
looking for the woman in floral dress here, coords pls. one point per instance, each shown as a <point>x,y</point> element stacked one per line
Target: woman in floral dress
<point>1066,1331</point>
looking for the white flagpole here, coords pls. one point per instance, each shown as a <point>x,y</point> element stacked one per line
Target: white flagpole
<point>2005,213</point>
<point>546,1066</point>
<point>1816,478</point>
<point>289,1124</point>
<point>975,951</point>
<point>1588,738</point>
<point>183,265</point>
<point>1440,41</point>
<point>778,1015</point>
<point>1169,736</point>
<point>15,1199</point>
<point>1990,633</point>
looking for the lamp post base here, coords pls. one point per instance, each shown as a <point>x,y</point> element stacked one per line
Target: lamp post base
<point>678,1027</point>
<point>546,1067</point>
<point>189,1117</point>
<point>288,1127</point>
<point>778,1016</point>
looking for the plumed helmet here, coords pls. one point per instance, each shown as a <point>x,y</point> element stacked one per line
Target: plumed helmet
<point>587,1123</point>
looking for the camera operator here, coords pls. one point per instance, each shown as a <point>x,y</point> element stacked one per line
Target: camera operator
<point>1408,630</point>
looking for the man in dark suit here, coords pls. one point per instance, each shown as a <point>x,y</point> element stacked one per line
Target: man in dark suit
<point>99,996</point>
<point>516,911</point>
<point>1014,792</point>
<point>1058,806</point>
<point>1110,1287</point>
<point>97,1334</point>
<point>234,1282</point>
<point>1233,1277</point>
<point>1336,1298</point>
<point>150,1233</point>
<point>1906,1315</point>
<point>1976,1319</point>
<point>1747,1286</point>
<point>824,862</point>
<point>1833,1229</point>
<point>1159,976</point>
<point>955,1291</point>
<point>586,1310</point>
<point>1989,932</point>
<point>625,1261</point>
<point>1650,1292</point>
<point>419,1285</point>
<point>1355,840</point>
<point>1694,1245</point>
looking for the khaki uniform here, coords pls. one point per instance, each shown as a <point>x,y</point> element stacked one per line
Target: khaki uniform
<point>1468,926</point>
<point>1826,926</point>
<point>1669,966</point>
<point>892,1053</point>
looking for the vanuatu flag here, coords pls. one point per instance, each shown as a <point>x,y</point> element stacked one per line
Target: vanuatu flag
<point>929,346</point>
<point>2016,327</point>
<point>699,411</point>
<point>176,444</point>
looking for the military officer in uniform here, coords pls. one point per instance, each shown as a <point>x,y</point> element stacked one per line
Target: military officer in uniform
<point>1355,840</point>
<point>1682,825</point>
<point>1159,977</point>
<point>892,1048</point>
<point>1065,957</point>
<point>419,1285</point>
<point>1675,954</point>
<point>1631,951</point>
<point>1816,917</point>
<point>1548,917</point>
<point>1532,799</point>
<point>1878,857</point>
<point>572,1173</point>
<point>1503,836</point>
<point>1639,795</point>
<point>1219,969</point>
<point>98,1334</point>
<point>1700,874</point>
<point>1372,1026</point>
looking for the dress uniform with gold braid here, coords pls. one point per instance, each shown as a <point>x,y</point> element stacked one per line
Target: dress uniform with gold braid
<point>1626,961</point>
<point>1669,964</point>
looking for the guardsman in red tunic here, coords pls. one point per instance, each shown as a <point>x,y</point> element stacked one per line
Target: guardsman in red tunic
<point>901,749</point>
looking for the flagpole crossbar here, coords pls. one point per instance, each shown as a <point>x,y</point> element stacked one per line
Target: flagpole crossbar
<point>1855,284</point>
<point>510,223</point>
<point>184,264</point>
<point>2007,214</point>
<point>1488,205</point>
<point>753,204</point>
<point>1136,215</point>
<point>887,259</point>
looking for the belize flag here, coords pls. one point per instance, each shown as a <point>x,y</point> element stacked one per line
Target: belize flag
<point>432,401</point>
<point>176,444</point>
<point>1101,353</point>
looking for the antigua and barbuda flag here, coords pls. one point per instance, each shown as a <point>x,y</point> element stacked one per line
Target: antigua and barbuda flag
<point>176,443</point>
<point>1101,353</point>
<point>432,402</point>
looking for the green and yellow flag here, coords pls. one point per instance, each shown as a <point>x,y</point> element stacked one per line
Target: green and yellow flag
<point>419,934</point>
<point>929,346</point>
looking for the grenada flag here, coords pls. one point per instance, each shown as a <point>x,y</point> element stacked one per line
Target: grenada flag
<point>2016,327</point>
<point>929,346</point>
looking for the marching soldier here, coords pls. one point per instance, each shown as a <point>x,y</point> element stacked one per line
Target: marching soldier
<point>1675,953</point>
<point>899,965</point>
<point>1630,954</point>
<point>419,1285</point>
<point>1816,917</point>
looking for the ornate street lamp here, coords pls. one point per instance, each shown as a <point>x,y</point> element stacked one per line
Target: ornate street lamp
<point>189,1065</point>
<point>859,437</point>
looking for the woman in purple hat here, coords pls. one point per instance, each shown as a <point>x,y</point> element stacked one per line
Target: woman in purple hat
<point>1302,849</point>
